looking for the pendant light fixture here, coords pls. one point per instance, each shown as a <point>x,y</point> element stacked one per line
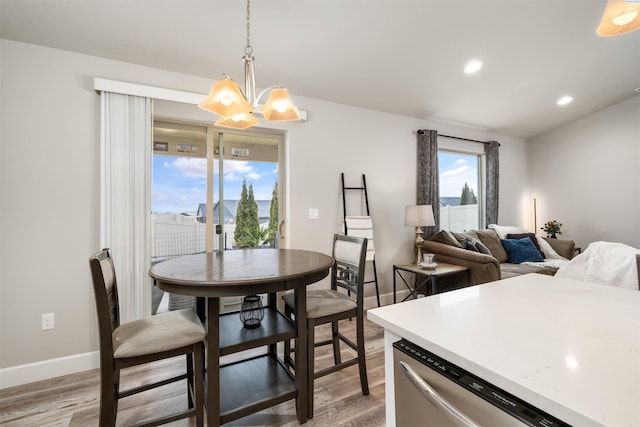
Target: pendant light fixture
<point>236,109</point>
<point>620,16</point>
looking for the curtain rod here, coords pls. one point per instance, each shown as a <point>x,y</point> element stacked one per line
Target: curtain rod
<point>421,132</point>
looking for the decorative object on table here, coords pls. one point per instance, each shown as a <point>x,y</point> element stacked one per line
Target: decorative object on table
<point>620,16</point>
<point>552,228</point>
<point>251,311</point>
<point>418,216</point>
<point>235,108</point>
<point>429,262</point>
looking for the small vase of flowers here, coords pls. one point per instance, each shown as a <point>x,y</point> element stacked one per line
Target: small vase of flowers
<point>552,228</point>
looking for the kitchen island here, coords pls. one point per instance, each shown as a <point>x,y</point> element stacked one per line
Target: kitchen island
<point>570,348</point>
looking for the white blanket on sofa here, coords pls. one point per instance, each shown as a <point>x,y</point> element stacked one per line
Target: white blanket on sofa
<point>607,263</point>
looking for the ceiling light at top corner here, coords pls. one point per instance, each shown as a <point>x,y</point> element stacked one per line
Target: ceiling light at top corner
<point>472,67</point>
<point>565,100</point>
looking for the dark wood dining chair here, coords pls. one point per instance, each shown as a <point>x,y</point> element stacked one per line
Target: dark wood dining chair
<point>332,305</point>
<point>123,345</point>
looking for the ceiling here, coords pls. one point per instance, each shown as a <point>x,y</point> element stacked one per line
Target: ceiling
<point>397,56</point>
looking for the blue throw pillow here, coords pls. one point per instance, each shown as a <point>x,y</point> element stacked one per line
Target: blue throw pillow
<point>521,250</point>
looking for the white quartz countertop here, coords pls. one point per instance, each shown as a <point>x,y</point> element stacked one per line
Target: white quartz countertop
<point>570,348</point>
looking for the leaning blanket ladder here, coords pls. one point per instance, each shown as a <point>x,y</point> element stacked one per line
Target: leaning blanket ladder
<point>361,226</point>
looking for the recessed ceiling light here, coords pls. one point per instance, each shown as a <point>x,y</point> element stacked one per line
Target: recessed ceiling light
<point>472,67</point>
<point>565,100</point>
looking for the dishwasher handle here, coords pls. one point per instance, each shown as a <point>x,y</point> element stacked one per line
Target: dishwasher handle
<point>442,405</point>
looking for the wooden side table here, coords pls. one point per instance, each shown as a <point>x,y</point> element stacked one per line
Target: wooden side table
<point>429,277</point>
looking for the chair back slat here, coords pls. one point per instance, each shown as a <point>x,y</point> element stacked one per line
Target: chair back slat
<point>105,289</point>
<point>111,288</point>
<point>349,254</point>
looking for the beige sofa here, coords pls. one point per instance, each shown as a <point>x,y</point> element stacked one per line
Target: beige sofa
<point>486,267</point>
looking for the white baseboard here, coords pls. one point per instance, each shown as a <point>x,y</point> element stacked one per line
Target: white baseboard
<point>31,372</point>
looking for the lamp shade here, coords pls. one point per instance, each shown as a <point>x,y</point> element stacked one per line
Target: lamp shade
<point>418,216</point>
<point>620,16</point>
<point>239,121</point>
<point>226,99</point>
<point>279,107</point>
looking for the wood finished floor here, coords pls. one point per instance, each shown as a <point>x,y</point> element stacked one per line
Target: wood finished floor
<point>73,400</point>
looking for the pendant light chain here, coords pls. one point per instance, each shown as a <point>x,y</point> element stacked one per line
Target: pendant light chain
<point>248,50</point>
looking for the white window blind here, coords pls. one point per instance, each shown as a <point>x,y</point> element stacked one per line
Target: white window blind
<point>125,201</point>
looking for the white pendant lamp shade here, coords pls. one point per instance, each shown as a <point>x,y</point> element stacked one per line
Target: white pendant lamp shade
<point>279,107</point>
<point>239,121</point>
<point>226,99</point>
<point>235,108</point>
<point>620,16</point>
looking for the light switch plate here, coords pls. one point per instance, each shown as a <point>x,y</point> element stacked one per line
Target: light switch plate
<point>314,213</point>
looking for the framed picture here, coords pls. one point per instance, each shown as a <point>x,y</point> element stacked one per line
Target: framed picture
<point>160,146</point>
<point>186,148</point>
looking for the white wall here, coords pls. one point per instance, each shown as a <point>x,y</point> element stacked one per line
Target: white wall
<point>586,175</point>
<point>49,183</point>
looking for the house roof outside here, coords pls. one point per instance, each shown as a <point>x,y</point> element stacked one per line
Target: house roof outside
<point>449,201</point>
<point>230,209</point>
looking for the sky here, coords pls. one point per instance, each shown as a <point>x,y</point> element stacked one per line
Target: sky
<point>179,183</point>
<point>455,169</point>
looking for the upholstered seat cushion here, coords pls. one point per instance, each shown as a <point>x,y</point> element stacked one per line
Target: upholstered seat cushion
<point>157,333</point>
<point>323,302</point>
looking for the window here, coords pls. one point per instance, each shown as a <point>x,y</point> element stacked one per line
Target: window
<point>460,170</point>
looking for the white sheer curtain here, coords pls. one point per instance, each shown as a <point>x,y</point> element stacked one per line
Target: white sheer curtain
<point>125,196</point>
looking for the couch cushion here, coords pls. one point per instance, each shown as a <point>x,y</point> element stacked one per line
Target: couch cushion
<point>522,250</point>
<point>508,270</point>
<point>490,239</point>
<point>475,245</point>
<point>469,241</point>
<point>531,236</point>
<point>445,237</point>
<point>461,237</point>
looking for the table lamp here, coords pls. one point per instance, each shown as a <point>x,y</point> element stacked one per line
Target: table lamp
<point>418,216</point>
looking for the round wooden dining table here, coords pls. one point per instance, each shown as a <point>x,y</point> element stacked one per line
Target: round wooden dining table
<point>240,388</point>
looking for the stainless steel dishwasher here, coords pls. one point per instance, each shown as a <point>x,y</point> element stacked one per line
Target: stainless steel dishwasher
<point>432,392</point>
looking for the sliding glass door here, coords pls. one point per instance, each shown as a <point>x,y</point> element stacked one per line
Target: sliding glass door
<point>202,200</point>
<point>246,186</point>
<point>214,190</point>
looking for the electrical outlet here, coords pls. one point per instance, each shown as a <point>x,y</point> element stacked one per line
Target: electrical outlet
<point>47,321</point>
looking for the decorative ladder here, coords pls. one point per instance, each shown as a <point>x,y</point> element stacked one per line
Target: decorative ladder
<point>361,226</point>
